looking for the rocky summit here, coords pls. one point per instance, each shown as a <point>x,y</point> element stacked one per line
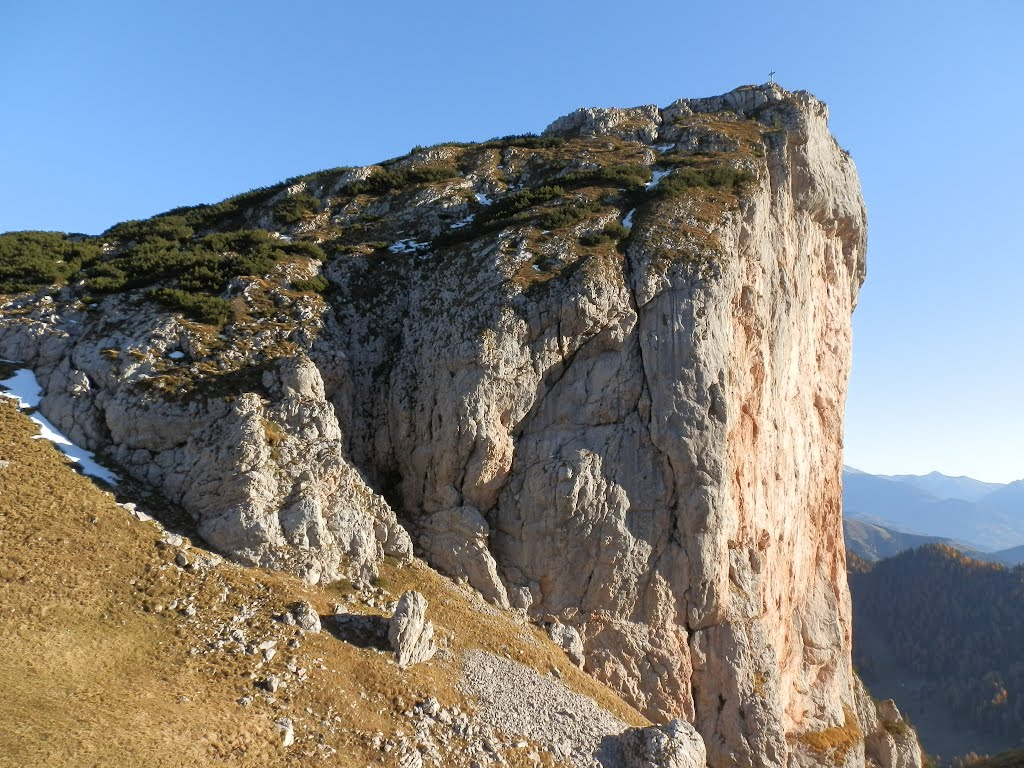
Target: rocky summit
<point>598,374</point>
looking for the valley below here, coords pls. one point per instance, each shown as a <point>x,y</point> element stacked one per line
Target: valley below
<point>936,619</point>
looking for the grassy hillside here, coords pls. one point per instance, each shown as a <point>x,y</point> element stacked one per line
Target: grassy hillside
<point>876,542</point>
<point>120,646</point>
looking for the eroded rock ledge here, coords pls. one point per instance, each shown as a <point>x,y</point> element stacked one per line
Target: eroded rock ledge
<point>600,374</point>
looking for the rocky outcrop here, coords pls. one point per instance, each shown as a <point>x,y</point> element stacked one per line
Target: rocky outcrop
<point>641,440</point>
<point>262,470</point>
<point>889,741</point>
<point>410,634</point>
<point>455,542</point>
<point>675,745</point>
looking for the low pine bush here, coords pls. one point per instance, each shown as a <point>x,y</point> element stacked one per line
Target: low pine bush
<point>294,209</point>
<point>33,260</point>
<point>212,310</point>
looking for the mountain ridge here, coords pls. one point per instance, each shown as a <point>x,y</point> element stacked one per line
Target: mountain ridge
<point>993,521</point>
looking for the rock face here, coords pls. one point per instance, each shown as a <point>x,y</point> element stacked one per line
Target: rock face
<point>642,438</point>
<point>410,634</point>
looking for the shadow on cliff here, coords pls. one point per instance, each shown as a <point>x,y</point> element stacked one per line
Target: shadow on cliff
<point>609,751</point>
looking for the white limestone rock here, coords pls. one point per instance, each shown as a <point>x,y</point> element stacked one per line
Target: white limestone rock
<point>675,745</point>
<point>286,731</point>
<point>568,639</point>
<point>410,634</point>
<point>306,616</point>
<point>456,542</point>
<point>636,124</point>
<point>889,742</point>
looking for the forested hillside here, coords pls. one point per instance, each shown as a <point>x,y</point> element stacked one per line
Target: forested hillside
<point>954,621</point>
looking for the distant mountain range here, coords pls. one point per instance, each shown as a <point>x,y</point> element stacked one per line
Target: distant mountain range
<point>945,487</point>
<point>885,515</point>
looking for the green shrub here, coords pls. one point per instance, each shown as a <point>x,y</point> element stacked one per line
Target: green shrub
<point>33,260</point>
<point>316,284</point>
<point>227,214</point>
<point>307,249</point>
<point>203,277</point>
<point>160,228</point>
<point>612,233</point>
<point>294,209</point>
<point>616,230</point>
<point>204,265</point>
<point>525,141</point>
<point>384,181</point>
<point>212,310</point>
<point>718,177</point>
<point>522,140</point>
<point>523,206</point>
<point>516,202</point>
<point>106,278</point>
<point>562,216</point>
<point>619,175</point>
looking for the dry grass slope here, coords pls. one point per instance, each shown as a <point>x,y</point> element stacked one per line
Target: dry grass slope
<point>833,744</point>
<point>97,670</point>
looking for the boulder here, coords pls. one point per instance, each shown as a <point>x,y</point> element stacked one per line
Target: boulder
<point>286,730</point>
<point>306,616</point>
<point>568,639</point>
<point>675,745</point>
<point>410,634</point>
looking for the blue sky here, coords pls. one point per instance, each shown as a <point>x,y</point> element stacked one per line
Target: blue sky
<point>118,110</point>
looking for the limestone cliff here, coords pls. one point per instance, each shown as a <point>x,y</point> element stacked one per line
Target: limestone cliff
<point>599,373</point>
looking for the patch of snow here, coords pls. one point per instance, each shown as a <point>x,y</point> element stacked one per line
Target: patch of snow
<point>536,267</point>
<point>658,176</point>
<point>628,221</point>
<point>663,148</point>
<point>176,355</point>
<point>24,388</point>
<point>464,222</point>
<point>483,199</point>
<point>408,246</point>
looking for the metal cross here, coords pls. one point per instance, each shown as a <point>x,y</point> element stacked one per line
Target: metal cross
<point>771,77</point>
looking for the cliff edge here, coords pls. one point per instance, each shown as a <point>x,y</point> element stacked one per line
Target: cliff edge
<point>600,374</point>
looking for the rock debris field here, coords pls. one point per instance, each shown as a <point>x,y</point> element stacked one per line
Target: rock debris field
<point>516,699</point>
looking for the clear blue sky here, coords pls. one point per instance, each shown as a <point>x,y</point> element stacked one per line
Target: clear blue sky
<point>118,110</point>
